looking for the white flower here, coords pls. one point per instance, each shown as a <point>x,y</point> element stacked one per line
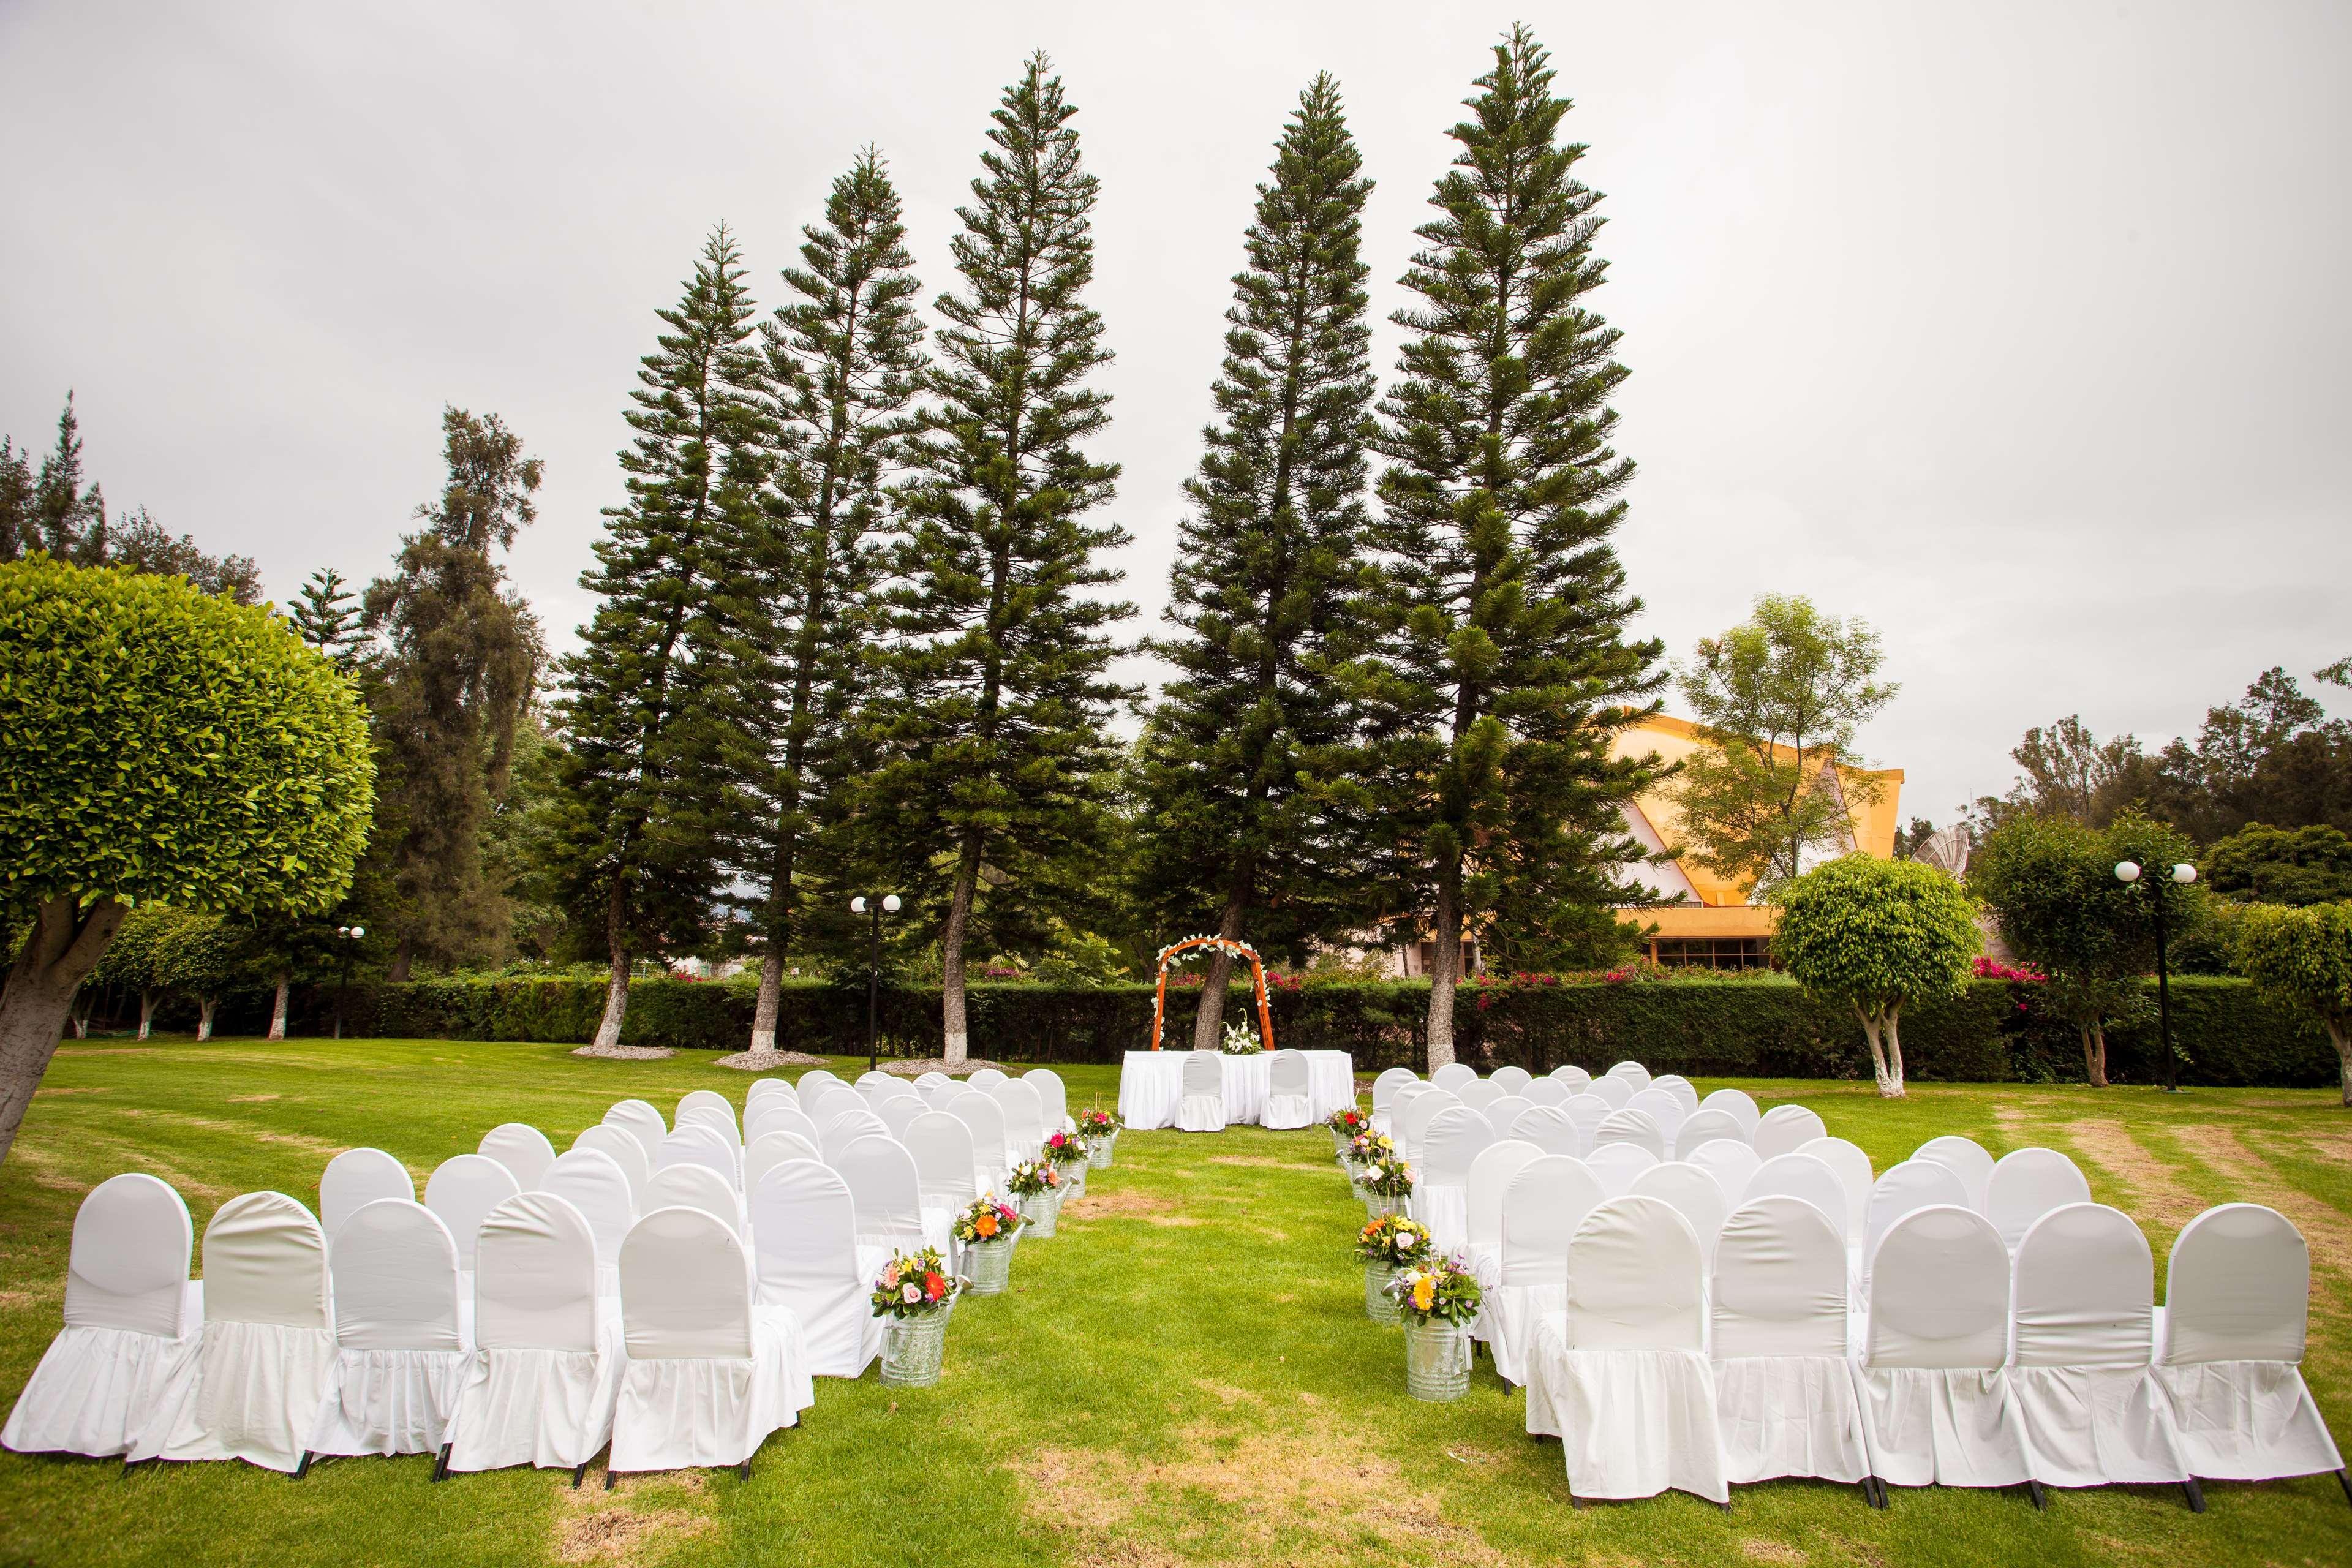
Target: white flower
<point>910,1294</point>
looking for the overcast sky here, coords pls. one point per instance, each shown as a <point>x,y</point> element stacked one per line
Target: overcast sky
<point>2020,330</point>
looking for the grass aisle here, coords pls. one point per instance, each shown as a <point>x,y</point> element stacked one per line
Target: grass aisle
<point>1184,1376</point>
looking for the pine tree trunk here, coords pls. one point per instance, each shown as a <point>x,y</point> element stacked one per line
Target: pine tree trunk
<point>205,1006</point>
<point>763,1013</point>
<point>146,1012</point>
<point>958,1044</point>
<point>278,1007</point>
<point>402,956</point>
<point>1209,1028</point>
<point>616,988</point>
<point>1446,963</point>
<point>64,945</point>
<point>2094,1054</point>
<point>2339,1030</point>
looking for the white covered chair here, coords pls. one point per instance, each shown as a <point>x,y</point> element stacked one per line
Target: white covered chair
<point>640,1117</point>
<point>522,1148</point>
<point>128,1348</point>
<point>764,1089</point>
<point>946,1164</point>
<point>1685,1092</point>
<point>462,1189</point>
<point>1806,1177</point>
<point>1784,1390</point>
<point>356,1178</point>
<point>2082,1338</point>
<point>698,1144</point>
<point>985,1120</point>
<point>833,1102</point>
<point>1693,1194</point>
<point>1733,1165</point>
<point>695,1186</point>
<point>1477,1094</point>
<point>1055,1096</point>
<point>1635,1127</point>
<point>775,1116</point>
<point>592,1182</point>
<point>1456,1136</point>
<point>1632,1075</point>
<point>1548,1128</point>
<point>1622,1378</point>
<point>2028,1183</point>
<point>720,1121</point>
<point>816,1079</point>
<point>267,1341</point>
<point>1490,1175</point>
<point>1740,1106</point>
<point>982,1078</point>
<point>1571,1078</point>
<point>896,1112</point>
<point>889,1197</point>
<point>1025,1115</point>
<point>1400,1102</point>
<point>1547,1198</point>
<point>847,1129</point>
<point>1586,1112</point>
<point>1411,1131</point>
<point>1915,1183</point>
<point>621,1146</point>
<point>1615,1166</point>
<point>705,1099</point>
<point>772,1150</point>
<point>1453,1076</point>
<point>1785,1129</point>
<point>1937,1408</point>
<point>1706,1127</point>
<point>1967,1159</point>
<point>1505,1109</point>
<point>1854,1173</point>
<point>1544,1091</point>
<point>401,1349</point>
<point>931,1085</point>
<point>1614,1092</point>
<point>1384,1088</point>
<point>1202,1106</point>
<point>872,1080</point>
<point>1660,1107</point>
<point>1289,1099</point>
<point>804,1231</point>
<point>2236,1301</point>
<point>547,1357</point>
<point>1513,1079</point>
<point>708,1375</point>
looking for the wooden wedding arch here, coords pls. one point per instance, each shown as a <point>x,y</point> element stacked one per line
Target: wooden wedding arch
<point>1169,954</point>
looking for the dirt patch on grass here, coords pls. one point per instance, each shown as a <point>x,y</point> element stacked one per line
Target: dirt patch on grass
<point>768,1062</point>
<point>18,1300</point>
<point>47,1093</point>
<point>251,1099</point>
<point>1129,1203</point>
<point>964,1068</point>
<point>2326,1229</point>
<point>2155,1194</point>
<point>618,1053</point>
<point>1759,1550</point>
<point>1268,1162</point>
<point>638,1523</point>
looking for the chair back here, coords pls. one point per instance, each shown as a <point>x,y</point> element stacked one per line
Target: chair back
<point>1806,1177</point>
<point>1478,1093</point>
<point>1385,1087</point>
<point>1706,1127</point>
<point>1632,1075</point>
<point>1490,1176</point>
<point>1632,1126</point>
<point>719,1121</point>
<point>886,1190</point>
<point>1737,1104</point>
<point>1547,1198</point>
<point>621,1146</point>
<point>640,1118</point>
<point>1055,1096</point>
<point>1513,1079</point>
<point>1635,1280</point>
<point>686,1287</point>
<point>2028,1183</point>
<point>1854,1173</point>
<point>535,1277</point>
<point>984,1077</point>
<point>932,1083</point>
<point>815,1081</point>
<point>771,1149</point>
<point>1915,1183</point>
<point>265,1262</point>
<point>898,1110</point>
<point>1684,1095</point>
<point>1615,1092</point>
<point>1544,1091</point>
<point>708,1099</point>
<point>1615,1166</point>
<point>694,1186</point>
<point>2237,1288</point>
<point>1939,1294</point>
<point>522,1148</point>
<point>764,1089</point>
<point>1967,1159</point>
<point>1733,1165</point>
<point>1586,1112</point>
<point>985,1119</point>
<point>1574,1079</point>
<point>832,1101</point>
<point>1456,1136</point>
<point>1662,1107</point>
<point>845,1129</point>
<point>1025,1115</point>
<point>128,1268</point>
<point>1780,1283</point>
<point>1548,1128</point>
<point>1413,1130</point>
<point>945,1160</point>
<point>1204,1073</point>
<point>356,1178</point>
<point>697,1144</point>
<point>1785,1129</point>
<point>395,1276</point>
<point>1693,1194</point>
<point>1287,1074</point>
<point>462,1190</point>
<point>1453,1076</point>
<point>872,1080</point>
<point>1505,1111</point>
<point>777,1115</point>
<point>592,1182</point>
<point>804,1231</point>
<point>2084,1291</point>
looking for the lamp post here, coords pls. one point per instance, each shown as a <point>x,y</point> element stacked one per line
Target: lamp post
<point>2127,872</point>
<point>875,909</point>
<point>350,940</point>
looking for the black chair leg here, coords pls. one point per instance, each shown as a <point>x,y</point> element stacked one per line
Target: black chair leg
<point>441,1462</point>
<point>579,1474</point>
<point>612,1478</point>
<point>2196,1496</point>
<point>743,1471</point>
<point>2033,1490</point>
<point>303,1469</point>
<point>2346,1482</point>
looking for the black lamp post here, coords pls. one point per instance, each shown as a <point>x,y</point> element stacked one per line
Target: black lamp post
<point>2127,871</point>
<point>862,905</point>
<point>350,940</point>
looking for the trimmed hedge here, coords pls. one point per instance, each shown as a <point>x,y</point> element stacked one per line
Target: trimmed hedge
<point>1762,1028</point>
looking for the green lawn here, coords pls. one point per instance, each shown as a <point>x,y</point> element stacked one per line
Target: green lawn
<point>1184,1374</point>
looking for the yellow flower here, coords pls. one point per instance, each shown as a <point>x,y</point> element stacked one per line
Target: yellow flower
<point>1424,1293</point>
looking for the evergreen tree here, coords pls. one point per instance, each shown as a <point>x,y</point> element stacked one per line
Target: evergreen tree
<point>1236,772</point>
<point>993,765</point>
<point>1509,671</point>
<point>18,534</point>
<point>69,518</point>
<point>461,655</point>
<point>326,615</point>
<point>648,712</point>
<point>846,357</point>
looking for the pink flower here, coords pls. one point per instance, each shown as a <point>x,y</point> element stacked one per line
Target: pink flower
<point>910,1294</point>
<point>890,1274</point>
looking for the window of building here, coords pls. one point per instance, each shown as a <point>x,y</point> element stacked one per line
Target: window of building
<point>1712,952</point>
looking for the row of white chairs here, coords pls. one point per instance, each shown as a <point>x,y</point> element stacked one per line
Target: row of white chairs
<point>1289,1092</point>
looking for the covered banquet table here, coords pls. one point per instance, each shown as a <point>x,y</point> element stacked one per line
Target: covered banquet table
<point>1151,1082</point>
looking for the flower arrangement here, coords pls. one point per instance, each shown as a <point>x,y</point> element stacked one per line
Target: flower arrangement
<point>1436,1291</point>
<point>913,1284</point>
<point>987,1220</point>
<point>1393,1241</point>
<point>1368,1147</point>
<point>1094,1124</point>
<point>1388,1177</point>
<point>1032,1178</point>
<point>1239,1041</point>
<point>1347,1123</point>
<point>1063,1149</point>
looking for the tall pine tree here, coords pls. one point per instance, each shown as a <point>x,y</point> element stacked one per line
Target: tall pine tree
<point>846,357</point>
<point>649,708</point>
<point>1241,823</point>
<point>1509,671</point>
<point>994,759</point>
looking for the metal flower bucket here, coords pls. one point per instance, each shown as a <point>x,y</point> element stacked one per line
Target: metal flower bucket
<point>1041,1210</point>
<point>1436,1361</point>
<point>1099,1153</point>
<point>992,1267</point>
<point>1074,1178</point>
<point>1378,1305</point>
<point>1378,1204</point>
<point>913,1348</point>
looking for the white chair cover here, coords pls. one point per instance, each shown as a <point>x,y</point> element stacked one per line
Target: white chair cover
<point>1571,1078</point>
<point>1634,1127</point>
<point>708,1375</point>
<point>1784,1391</point>
<point>1289,1100</point>
<point>1504,1111</point>
<point>1440,1200</point>
<point>815,1081</point>
<point>1806,1177</point>
<point>129,1345</point>
<point>640,1118</point>
<point>1737,1104</point>
<point>718,1118</point>
<point>804,1226</point>
<point>462,1189</point>
<point>1025,1114</point>
<point>945,1164</point>
<point>547,1362</point>
<point>1586,1112</point>
<point>982,1078</point>
<point>1854,1173</point>
<point>1662,1107</point>
<point>1733,1166</point>
<point>1615,1093</point>
<point>695,1186</point>
<point>2237,1294</point>
<point>870,1080</point>
<point>1202,1106</point>
<point>267,1341</point>
<point>1622,1377</point>
<point>833,1101</point>
<point>775,1116</point>
<point>1681,1088</point>
<point>1706,1127</point>
<point>764,1089</point>
<point>1513,1079</point>
<point>1937,1408</point>
<point>896,1112</point>
<point>522,1148</point>
<point>1785,1129</point>
<point>2082,1335</point>
<point>356,1178</point>
<point>698,1144</point>
<point>1384,1087</point>
<point>1693,1194</point>
<point>1967,1159</point>
<point>1615,1166</point>
<point>1546,1200</point>
<point>889,1197</point>
<point>932,1083</point>
<point>1453,1076</point>
<point>1548,1128</point>
<point>772,1150</point>
<point>1490,1175</point>
<point>1915,1183</point>
<point>1632,1075</point>
<point>1411,1122</point>
<point>1392,1121</point>
<point>844,1130</point>
<point>1054,1094</point>
<point>591,1182</point>
<point>893,1087</point>
<point>1478,1093</point>
<point>2028,1183</point>
<point>621,1146</point>
<point>400,1352</point>
<point>985,1119</point>
<point>1544,1091</point>
<point>705,1099</point>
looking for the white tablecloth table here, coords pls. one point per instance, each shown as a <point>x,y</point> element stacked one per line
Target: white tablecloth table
<point>1151,1082</point>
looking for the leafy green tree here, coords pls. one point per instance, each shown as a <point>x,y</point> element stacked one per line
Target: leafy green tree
<point>993,767</point>
<point>2273,757</point>
<point>158,744</point>
<point>1238,773</point>
<point>69,518</point>
<point>54,511</point>
<point>18,537</point>
<point>326,614</point>
<point>137,542</point>
<point>649,715</point>
<point>135,959</point>
<point>1780,696</point>
<point>2302,959</point>
<point>461,655</point>
<point>2260,864</point>
<point>1875,935</point>
<point>1508,671</point>
<point>204,957</point>
<point>846,357</point>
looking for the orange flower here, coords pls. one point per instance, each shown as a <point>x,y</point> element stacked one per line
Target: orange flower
<point>934,1287</point>
<point>986,1225</point>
